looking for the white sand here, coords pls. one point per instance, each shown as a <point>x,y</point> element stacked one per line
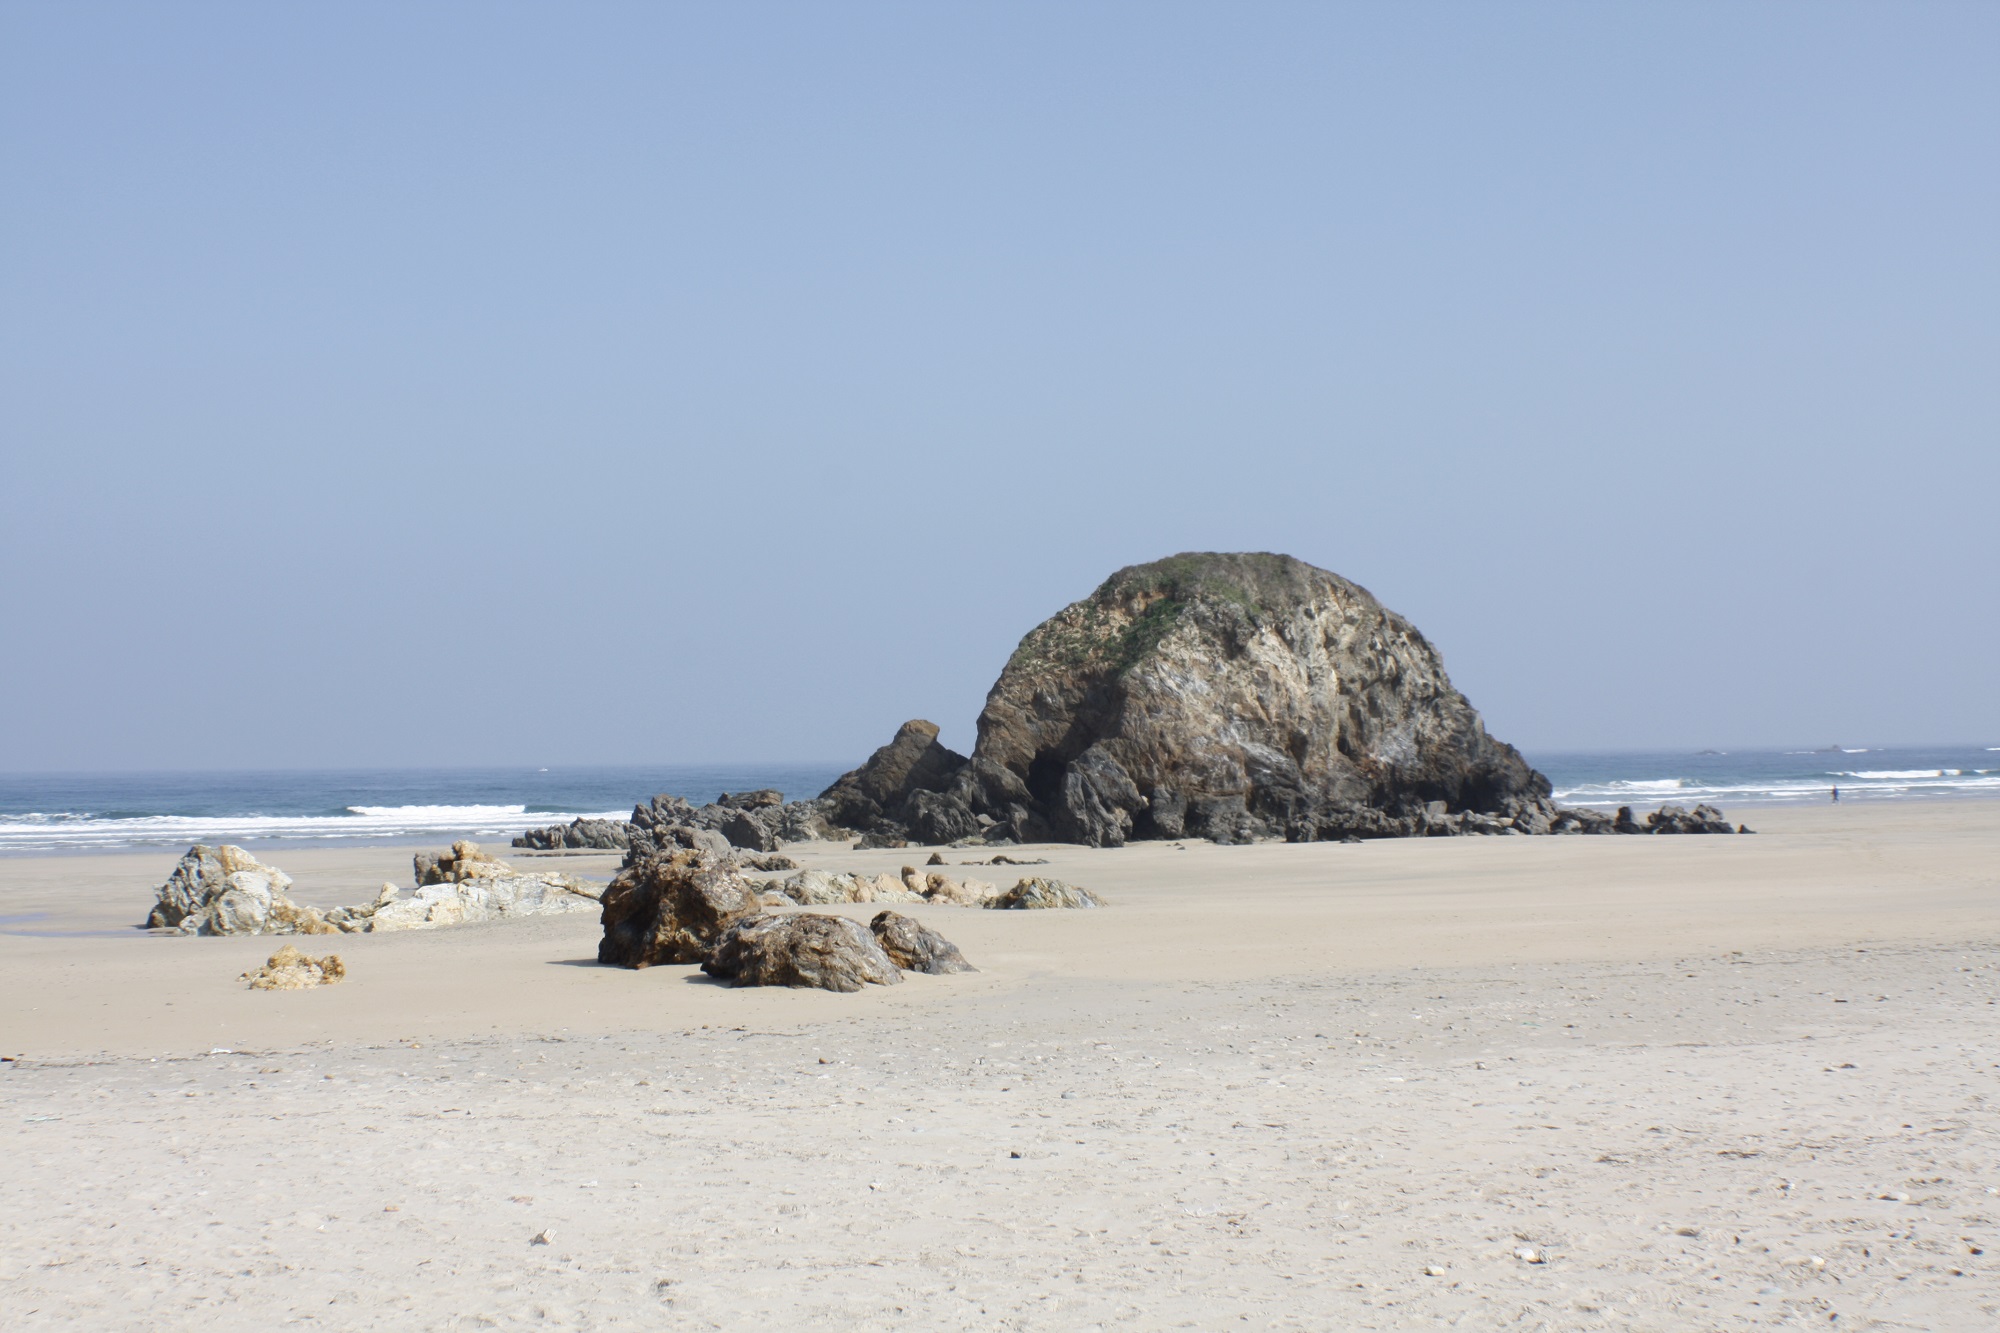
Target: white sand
<point>1268,1087</point>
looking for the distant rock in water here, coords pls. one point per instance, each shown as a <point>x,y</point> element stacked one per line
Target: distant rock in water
<point>1229,697</point>
<point>759,821</point>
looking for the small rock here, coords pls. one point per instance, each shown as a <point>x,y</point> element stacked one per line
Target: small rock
<point>543,1237</point>
<point>937,859</point>
<point>1433,1270</point>
<point>1037,892</point>
<point>288,969</point>
<point>1530,1255</point>
<point>916,948</point>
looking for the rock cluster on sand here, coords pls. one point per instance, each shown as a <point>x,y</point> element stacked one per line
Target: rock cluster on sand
<point>1229,697</point>
<point>685,906</point>
<point>226,891</point>
<point>758,821</point>
<point>288,969</point>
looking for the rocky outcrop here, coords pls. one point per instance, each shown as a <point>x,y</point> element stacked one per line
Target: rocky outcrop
<point>671,908</point>
<point>915,947</point>
<point>1676,819</point>
<point>1221,696</point>
<point>288,969</point>
<point>759,821</point>
<point>226,891</point>
<point>606,835</point>
<point>818,888</point>
<point>800,949</point>
<point>1037,894</point>
<point>880,797</point>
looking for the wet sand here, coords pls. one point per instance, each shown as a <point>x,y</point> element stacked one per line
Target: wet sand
<point>1701,1082</point>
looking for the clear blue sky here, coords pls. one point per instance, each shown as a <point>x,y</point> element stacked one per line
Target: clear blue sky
<point>492,383</point>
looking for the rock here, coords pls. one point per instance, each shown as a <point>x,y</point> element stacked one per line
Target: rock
<point>877,794</point>
<point>770,864</point>
<point>288,969</point>
<point>762,799</point>
<point>914,947</point>
<point>817,888</point>
<point>959,893</point>
<point>743,830</point>
<point>464,861</point>
<point>1230,697</point>
<point>596,834</point>
<point>1624,823</point>
<point>671,909</point>
<point>878,840</point>
<point>1701,819</point>
<point>477,897</point>
<point>937,859</point>
<point>800,949</point>
<point>1035,893</point>
<point>226,891</point>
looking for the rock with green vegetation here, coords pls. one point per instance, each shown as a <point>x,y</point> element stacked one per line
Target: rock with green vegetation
<point>1229,697</point>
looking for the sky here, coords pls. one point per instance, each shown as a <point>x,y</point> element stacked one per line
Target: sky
<point>488,383</point>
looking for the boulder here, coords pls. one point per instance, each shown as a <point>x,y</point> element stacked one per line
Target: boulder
<point>288,969</point>
<point>817,888</point>
<point>800,949</point>
<point>765,798</point>
<point>744,830</point>
<point>671,909</point>
<point>1231,697</point>
<point>1038,893</point>
<point>959,892</point>
<point>226,891</point>
<point>914,947</point>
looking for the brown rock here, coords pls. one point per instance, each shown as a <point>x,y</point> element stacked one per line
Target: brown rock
<point>802,949</point>
<point>288,969</point>
<point>671,909</point>
<point>1036,893</point>
<point>914,947</point>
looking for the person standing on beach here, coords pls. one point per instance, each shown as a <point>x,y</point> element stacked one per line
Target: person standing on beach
<point>1836,796</point>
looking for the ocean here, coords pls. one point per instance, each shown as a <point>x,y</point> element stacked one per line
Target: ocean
<point>77,812</point>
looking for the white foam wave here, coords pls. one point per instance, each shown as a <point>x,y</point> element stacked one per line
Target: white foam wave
<point>1929,782</point>
<point>75,831</point>
<point>1901,773</point>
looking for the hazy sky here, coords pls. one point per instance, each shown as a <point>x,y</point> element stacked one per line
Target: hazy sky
<point>566,383</point>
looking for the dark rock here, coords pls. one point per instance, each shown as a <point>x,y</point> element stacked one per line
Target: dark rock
<point>914,947</point>
<point>770,864</point>
<point>881,788</point>
<point>1701,819</point>
<point>761,799</point>
<point>744,831</point>
<point>800,949</point>
<point>599,834</point>
<point>671,909</point>
<point>937,859</point>
<point>878,838</point>
<point>1624,823</point>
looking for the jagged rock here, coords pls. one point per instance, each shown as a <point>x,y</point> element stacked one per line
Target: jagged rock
<point>877,793</point>
<point>1580,821</point>
<point>464,861</point>
<point>800,949</point>
<point>671,909</point>
<point>1702,819</point>
<point>914,947</point>
<point>288,969</point>
<point>226,891</point>
<point>877,839</point>
<point>761,799</point>
<point>583,834</point>
<point>770,864</point>
<point>1031,894</point>
<point>1624,823</point>
<point>1230,697</point>
<point>937,859</point>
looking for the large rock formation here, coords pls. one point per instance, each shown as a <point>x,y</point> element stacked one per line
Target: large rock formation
<point>1220,696</point>
<point>757,820</point>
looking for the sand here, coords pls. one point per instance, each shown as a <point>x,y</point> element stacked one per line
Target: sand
<point>1581,1083</point>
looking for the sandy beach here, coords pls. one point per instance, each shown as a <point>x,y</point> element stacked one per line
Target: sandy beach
<point>1566,1083</point>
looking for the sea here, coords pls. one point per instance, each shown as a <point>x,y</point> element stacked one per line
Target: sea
<point>42,814</point>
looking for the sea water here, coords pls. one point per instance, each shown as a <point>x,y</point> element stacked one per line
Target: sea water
<point>91,812</point>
